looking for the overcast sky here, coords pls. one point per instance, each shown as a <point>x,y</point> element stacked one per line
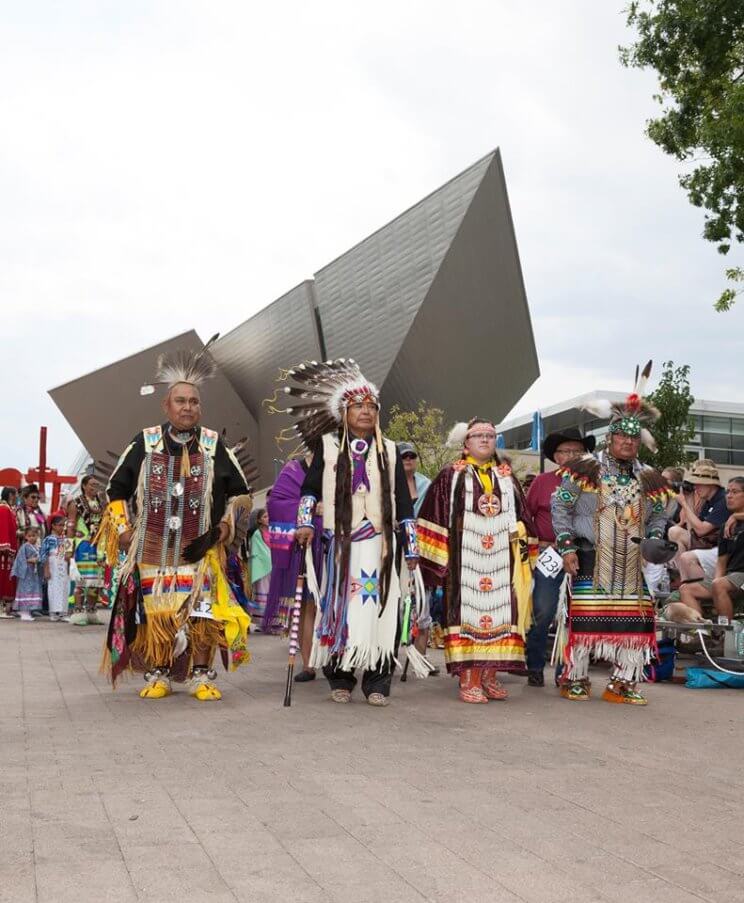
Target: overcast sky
<point>174,165</point>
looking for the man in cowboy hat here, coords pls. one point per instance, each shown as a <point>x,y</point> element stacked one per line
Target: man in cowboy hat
<point>703,513</point>
<point>560,448</point>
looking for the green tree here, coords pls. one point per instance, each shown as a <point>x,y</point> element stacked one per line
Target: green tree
<point>675,428</point>
<point>697,49</point>
<point>426,431</point>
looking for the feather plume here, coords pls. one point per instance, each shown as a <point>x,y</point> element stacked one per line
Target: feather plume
<point>599,407</point>
<point>181,641</point>
<point>642,381</point>
<point>648,440</point>
<point>457,435</point>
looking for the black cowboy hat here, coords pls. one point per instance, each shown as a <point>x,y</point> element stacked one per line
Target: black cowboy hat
<point>553,440</point>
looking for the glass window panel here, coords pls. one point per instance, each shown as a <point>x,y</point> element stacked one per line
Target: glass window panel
<point>716,424</point>
<point>737,426</point>
<point>718,455</point>
<point>737,458</point>
<point>737,441</point>
<point>717,440</point>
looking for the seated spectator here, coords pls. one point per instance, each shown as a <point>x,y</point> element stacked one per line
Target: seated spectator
<point>726,589</point>
<point>703,510</point>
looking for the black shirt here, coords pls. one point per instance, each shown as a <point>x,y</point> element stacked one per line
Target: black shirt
<point>734,548</point>
<point>313,483</point>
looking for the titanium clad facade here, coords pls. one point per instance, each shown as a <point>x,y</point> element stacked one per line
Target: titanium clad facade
<point>432,306</point>
<point>280,335</point>
<point>470,349</point>
<point>283,332</point>
<point>369,297</point>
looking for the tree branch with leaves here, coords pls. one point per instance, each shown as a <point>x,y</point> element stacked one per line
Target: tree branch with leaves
<point>676,427</point>
<point>697,49</point>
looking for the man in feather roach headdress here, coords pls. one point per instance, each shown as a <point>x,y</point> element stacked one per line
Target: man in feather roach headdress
<point>601,510</point>
<point>359,478</point>
<point>188,499</point>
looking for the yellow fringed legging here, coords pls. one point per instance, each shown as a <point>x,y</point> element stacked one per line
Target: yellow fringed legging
<point>154,642</point>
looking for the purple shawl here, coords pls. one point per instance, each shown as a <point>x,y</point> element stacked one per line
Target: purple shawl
<point>286,556</point>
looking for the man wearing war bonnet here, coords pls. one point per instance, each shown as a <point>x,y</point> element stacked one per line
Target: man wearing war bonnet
<point>176,499</point>
<point>358,476</point>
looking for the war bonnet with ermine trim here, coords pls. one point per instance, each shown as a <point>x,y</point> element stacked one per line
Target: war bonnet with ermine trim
<point>321,393</point>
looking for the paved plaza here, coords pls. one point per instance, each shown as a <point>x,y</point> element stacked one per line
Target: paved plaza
<point>106,797</point>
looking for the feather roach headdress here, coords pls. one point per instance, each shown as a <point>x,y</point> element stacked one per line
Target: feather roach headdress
<point>321,393</point>
<point>182,366</point>
<point>632,416</point>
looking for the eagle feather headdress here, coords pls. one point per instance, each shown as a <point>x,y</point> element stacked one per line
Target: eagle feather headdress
<point>634,415</point>
<point>320,394</point>
<point>183,366</point>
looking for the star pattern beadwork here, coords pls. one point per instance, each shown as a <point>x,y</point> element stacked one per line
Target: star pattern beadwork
<point>485,584</point>
<point>487,541</point>
<point>370,585</point>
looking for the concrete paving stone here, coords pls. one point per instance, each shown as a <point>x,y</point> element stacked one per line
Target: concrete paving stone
<point>704,878</point>
<point>275,890</point>
<point>297,824</point>
<point>92,881</point>
<point>461,884</point>
<point>428,799</point>
<point>653,890</point>
<point>18,885</point>
<point>170,880</point>
<point>394,891</point>
<point>399,850</point>
<point>255,841</point>
<point>334,860</point>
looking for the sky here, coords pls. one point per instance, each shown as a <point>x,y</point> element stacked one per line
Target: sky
<point>174,165</point>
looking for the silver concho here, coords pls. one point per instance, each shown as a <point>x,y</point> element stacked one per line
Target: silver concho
<point>177,490</point>
<point>195,470</point>
<point>174,523</point>
<point>158,469</point>
<point>155,503</point>
<point>194,504</point>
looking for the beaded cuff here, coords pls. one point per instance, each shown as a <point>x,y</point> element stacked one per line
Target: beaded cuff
<point>564,543</point>
<point>306,510</point>
<point>411,538</point>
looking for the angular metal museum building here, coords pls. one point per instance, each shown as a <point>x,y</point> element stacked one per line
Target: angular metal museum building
<point>433,293</point>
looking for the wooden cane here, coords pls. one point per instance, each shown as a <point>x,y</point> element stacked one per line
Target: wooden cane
<point>294,632</point>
